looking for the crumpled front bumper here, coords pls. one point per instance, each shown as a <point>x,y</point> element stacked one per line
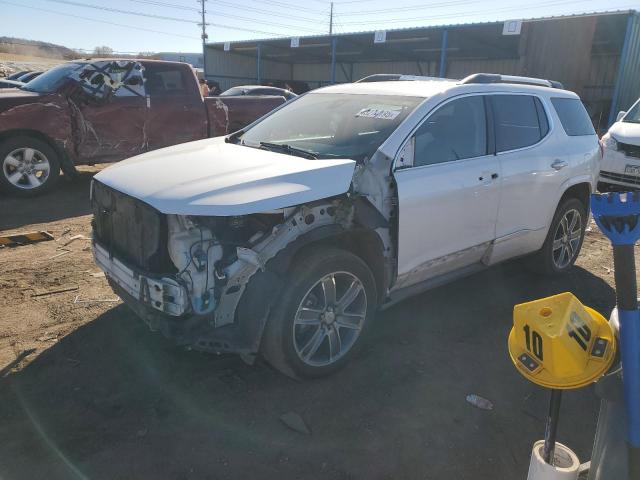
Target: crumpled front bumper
<point>163,304</point>
<point>164,294</point>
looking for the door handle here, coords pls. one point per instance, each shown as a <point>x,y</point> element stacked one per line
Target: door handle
<point>559,164</point>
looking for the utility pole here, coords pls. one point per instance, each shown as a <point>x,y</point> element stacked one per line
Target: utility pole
<point>204,37</point>
<point>331,20</point>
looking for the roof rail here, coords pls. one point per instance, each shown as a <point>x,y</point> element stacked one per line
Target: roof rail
<point>393,77</point>
<point>497,78</point>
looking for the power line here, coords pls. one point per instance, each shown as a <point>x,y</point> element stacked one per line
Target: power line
<point>260,32</point>
<point>168,5</point>
<point>176,19</point>
<point>287,5</point>
<point>267,12</point>
<point>126,12</point>
<point>466,14</point>
<point>223,3</point>
<point>410,8</point>
<point>273,24</point>
<point>97,20</point>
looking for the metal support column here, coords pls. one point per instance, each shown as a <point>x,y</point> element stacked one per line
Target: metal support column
<point>334,42</point>
<point>443,53</point>
<point>258,69</point>
<point>613,113</point>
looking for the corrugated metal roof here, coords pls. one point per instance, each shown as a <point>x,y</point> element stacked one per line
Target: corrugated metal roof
<point>424,27</point>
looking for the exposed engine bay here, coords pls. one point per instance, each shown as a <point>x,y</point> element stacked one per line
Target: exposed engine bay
<point>200,266</point>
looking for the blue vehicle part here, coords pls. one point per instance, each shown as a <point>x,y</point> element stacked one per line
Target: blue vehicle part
<point>630,355</point>
<point>618,216</point>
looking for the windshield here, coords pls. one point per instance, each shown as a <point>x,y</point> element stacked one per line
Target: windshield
<point>51,80</point>
<point>334,124</point>
<point>633,116</point>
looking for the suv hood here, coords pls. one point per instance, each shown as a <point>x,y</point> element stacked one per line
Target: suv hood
<point>626,132</point>
<point>214,178</point>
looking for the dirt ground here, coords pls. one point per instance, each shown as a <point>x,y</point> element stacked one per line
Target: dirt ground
<point>86,391</point>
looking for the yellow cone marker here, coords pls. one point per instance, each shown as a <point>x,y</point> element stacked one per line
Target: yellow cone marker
<point>559,343</point>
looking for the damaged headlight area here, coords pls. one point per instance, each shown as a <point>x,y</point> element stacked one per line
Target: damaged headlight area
<point>204,248</point>
<point>186,275</point>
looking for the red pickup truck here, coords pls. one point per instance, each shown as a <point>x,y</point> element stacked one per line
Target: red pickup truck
<point>97,111</point>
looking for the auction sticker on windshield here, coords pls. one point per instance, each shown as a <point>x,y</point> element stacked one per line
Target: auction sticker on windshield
<point>384,112</point>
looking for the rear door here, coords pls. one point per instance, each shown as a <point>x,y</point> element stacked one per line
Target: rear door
<point>535,162</point>
<point>176,112</point>
<point>448,197</point>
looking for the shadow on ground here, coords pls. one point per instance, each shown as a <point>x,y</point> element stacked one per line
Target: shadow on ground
<point>113,400</point>
<point>68,199</point>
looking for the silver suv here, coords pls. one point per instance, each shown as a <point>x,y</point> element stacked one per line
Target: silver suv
<point>286,237</point>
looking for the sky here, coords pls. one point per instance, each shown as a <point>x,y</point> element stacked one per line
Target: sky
<point>133,26</point>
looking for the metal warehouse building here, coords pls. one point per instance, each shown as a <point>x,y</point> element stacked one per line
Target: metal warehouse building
<point>596,55</point>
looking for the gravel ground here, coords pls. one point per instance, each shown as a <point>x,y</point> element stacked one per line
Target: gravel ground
<point>88,392</point>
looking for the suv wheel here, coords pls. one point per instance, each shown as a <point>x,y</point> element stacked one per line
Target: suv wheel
<point>326,305</point>
<point>564,240</point>
<point>28,166</point>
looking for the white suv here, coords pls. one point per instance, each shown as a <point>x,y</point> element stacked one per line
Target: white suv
<point>621,162</point>
<point>285,238</point>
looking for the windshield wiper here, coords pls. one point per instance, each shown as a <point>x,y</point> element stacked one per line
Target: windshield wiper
<point>283,147</point>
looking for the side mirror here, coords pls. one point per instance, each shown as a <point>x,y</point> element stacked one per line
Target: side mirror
<point>621,114</point>
<point>406,155</point>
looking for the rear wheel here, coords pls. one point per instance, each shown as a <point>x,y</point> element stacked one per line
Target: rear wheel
<point>564,240</point>
<point>28,166</point>
<point>325,309</point>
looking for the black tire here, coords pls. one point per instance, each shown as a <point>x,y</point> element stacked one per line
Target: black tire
<point>23,187</point>
<point>280,344</point>
<point>545,261</point>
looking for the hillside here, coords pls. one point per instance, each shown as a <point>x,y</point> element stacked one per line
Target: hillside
<point>18,54</point>
<point>35,48</point>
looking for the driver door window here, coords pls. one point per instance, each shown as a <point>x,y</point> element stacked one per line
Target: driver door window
<point>448,206</point>
<point>456,131</point>
<point>118,113</point>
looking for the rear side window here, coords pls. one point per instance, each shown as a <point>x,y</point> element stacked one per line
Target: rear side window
<point>520,121</point>
<point>455,131</point>
<point>573,116</point>
<point>163,80</point>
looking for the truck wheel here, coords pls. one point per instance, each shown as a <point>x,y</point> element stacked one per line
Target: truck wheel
<point>327,304</point>
<point>28,166</point>
<point>564,239</point>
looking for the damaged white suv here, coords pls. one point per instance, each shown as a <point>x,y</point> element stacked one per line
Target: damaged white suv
<point>285,238</point>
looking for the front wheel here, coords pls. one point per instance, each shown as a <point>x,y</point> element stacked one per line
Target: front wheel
<point>28,166</point>
<point>326,306</point>
<point>564,240</point>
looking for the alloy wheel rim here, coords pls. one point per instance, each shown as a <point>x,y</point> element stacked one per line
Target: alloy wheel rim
<point>26,168</point>
<point>329,319</point>
<point>567,239</point>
